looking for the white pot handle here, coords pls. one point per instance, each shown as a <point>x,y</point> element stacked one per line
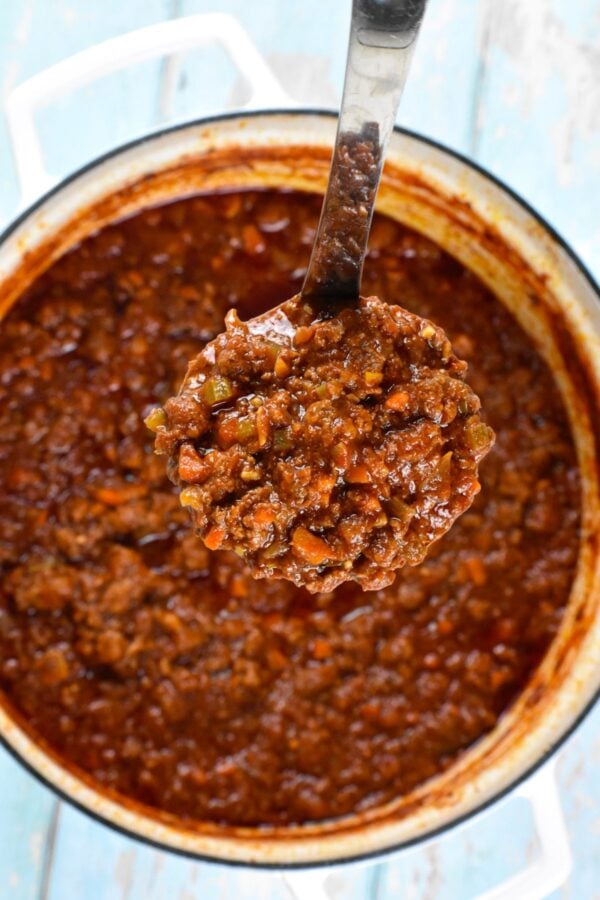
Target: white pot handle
<point>165,38</point>
<point>548,873</point>
<point>307,885</point>
<point>554,862</point>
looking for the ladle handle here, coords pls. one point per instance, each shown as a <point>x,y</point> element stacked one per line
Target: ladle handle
<point>380,48</point>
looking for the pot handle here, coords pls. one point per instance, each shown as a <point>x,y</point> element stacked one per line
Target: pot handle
<point>307,885</point>
<point>168,38</point>
<point>548,873</point>
<point>555,861</point>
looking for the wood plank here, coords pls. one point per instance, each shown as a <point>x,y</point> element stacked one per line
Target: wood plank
<point>94,863</point>
<point>580,794</point>
<point>91,862</point>
<point>439,97</point>
<point>539,115</point>
<point>25,825</point>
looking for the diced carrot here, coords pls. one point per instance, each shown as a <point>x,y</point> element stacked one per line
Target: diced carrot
<point>235,430</point>
<point>275,658</point>
<point>498,678</point>
<point>189,292</point>
<point>227,432</point>
<point>342,455</point>
<point>325,485</point>
<point>116,496</point>
<point>238,586</point>
<point>46,371</point>
<point>192,467</point>
<point>264,515</point>
<point>169,621</point>
<point>233,206</point>
<point>445,626</point>
<point>370,710</point>
<point>398,401</point>
<point>476,570</point>
<point>370,503</point>
<point>504,630</point>
<point>253,240</point>
<point>321,649</point>
<point>432,661</point>
<point>303,335</point>
<point>311,548</point>
<point>53,667</point>
<point>214,537</point>
<point>38,517</point>
<point>282,367</point>
<point>19,477</point>
<point>358,474</point>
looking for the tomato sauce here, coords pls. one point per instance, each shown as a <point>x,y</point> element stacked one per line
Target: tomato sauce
<point>161,669</point>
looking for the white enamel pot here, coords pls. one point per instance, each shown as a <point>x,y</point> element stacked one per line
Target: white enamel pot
<point>530,269</point>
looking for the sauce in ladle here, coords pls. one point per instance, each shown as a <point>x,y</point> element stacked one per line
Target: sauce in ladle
<point>333,438</point>
<point>325,450</point>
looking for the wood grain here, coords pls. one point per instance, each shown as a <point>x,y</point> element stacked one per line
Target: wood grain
<point>538,122</point>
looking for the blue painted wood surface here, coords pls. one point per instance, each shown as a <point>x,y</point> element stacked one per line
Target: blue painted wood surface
<point>515,84</point>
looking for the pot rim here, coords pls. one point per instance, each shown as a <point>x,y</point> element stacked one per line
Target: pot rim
<point>372,855</point>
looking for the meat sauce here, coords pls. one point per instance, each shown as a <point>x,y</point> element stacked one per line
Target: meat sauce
<point>163,670</point>
<point>325,449</point>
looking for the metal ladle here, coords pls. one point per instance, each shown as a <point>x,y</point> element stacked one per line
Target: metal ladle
<point>382,40</point>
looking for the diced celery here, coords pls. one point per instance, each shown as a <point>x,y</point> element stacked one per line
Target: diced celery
<point>217,389</point>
